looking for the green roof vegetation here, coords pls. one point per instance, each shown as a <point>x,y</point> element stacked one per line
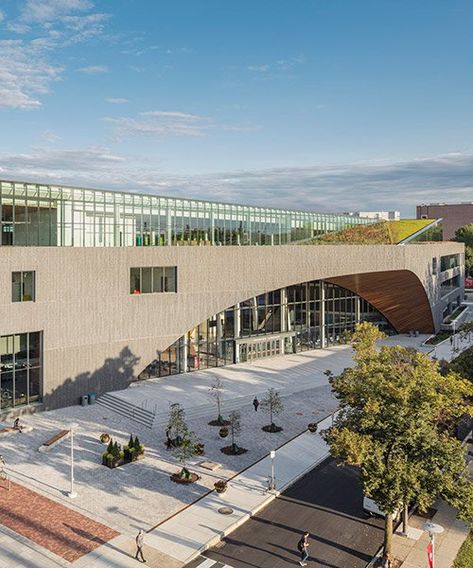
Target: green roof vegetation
<point>383,233</point>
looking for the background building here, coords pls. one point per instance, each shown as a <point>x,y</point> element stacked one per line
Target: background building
<point>377,215</point>
<point>453,215</point>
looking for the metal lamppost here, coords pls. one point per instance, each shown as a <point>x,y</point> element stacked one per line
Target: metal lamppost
<point>72,494</point>
<point>454,337</point>
<point>272,455</point>
<point>432,529</point>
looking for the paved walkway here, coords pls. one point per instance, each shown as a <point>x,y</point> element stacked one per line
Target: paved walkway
<point>201,525</point>
<point>60,530</point>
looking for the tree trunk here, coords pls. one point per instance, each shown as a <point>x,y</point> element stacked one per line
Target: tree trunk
<point>405,518</point>
<point>388,533</point>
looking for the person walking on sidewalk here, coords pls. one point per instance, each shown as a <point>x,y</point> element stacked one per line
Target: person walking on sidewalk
<point>256,404</point>
<point>140,540</point>
<point>303,548</point>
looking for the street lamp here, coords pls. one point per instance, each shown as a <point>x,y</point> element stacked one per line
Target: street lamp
<point>272,485</point>
<point>432,529</point>
<point>72,494</point>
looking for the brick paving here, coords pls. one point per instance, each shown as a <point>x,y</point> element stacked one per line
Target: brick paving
<point>57,528</point>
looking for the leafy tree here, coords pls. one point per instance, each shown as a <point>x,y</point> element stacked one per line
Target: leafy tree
<point>397,416</point>
<point>185,451</point>
<point>465,235</point>
<point>177,425</point>
<point>463,364</point>
<point>234,427</point>
<point>216,392</point>
<point>272,405</point>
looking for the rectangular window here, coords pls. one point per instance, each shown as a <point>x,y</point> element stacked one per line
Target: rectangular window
<point>152,280</point>
<point>20,369</point>
<point>23,286</point>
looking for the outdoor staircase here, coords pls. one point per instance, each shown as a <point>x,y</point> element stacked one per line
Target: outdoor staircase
<point>127,409</point>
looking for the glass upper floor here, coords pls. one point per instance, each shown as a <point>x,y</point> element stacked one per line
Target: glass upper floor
<point>48,215</point>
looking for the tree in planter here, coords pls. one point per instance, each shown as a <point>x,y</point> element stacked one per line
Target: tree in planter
<point>185,451</point>
<point>216,392</point>
<point>177,425</point>
<point>272,405</point>
<point>234,426</point>
<point>396,422</point>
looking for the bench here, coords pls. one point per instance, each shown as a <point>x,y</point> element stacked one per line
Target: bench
<point>59,437</point>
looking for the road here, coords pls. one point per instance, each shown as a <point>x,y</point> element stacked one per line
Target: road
<point>327,502</point>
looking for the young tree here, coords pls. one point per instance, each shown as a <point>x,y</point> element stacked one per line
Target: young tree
<point>216,392</point>
<point>185,451</point>
<point>235,428</point>
<point>272,405</point>
<point>397,416</point>
<point>177,425</point>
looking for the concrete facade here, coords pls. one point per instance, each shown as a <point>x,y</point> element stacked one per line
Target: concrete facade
<point>98,337</point>
<point>454,216</point>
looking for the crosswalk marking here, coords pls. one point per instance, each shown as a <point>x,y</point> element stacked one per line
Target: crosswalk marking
<point>207,563</point>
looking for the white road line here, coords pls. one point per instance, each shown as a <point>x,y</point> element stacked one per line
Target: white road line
<point>207,563</point>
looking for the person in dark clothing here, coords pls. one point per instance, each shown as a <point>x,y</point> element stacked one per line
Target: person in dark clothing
<point>256,403</point>
<point>140,538</point>
<point>303,548</point>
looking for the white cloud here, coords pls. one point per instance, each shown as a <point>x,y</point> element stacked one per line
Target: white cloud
<point>161,123</point>
<point>93,69</point>
<point>2,16</point>
<point>50,136</point>
<point>26,65</point>
<point>47,11</point>
<point>116,100</point>
<point>24,74</point>
<point>377,186</point>
<point>279,66</point>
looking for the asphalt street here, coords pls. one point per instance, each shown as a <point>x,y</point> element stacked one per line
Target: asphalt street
<point>327,502</point>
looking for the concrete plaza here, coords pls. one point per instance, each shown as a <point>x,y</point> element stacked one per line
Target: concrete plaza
<point>140,495</point>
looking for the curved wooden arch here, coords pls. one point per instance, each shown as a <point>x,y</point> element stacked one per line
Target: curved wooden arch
<point>398,294</point>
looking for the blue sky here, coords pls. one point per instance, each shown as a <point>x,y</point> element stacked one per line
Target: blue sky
<point>311,104</point>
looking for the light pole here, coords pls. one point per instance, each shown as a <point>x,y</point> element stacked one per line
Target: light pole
<point>272,455</point>
<point>432,529</point>
<point>72,494</point>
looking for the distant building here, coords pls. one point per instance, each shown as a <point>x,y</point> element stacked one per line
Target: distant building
<point>378,215</point>
<point>453,215</point>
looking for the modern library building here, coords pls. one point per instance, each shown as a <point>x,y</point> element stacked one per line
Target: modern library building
<point>101,288</point>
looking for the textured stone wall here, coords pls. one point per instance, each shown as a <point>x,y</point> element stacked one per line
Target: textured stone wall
<point>97,336</point>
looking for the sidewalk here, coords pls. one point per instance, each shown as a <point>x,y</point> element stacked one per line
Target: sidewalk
<point>412,551</point>
<point>201,526</point>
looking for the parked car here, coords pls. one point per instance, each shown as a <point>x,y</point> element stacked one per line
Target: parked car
<point>371,508</point>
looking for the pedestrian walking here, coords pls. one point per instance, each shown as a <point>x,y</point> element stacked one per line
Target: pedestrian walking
<point>385,562</point>
<point>256,404</point>
<point>140,540</point>
<point>303,548</point>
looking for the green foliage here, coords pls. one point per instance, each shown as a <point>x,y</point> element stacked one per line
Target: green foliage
<point>131,443</point>
<point>463,364</point>
<point>136,444</point>
<point>186,449</point>
<point>397,416</point>
<point>272,404</point>
<point>465,235</point>
<point>177,425</point>
<point>381,233</point>
<point>464,557</point>
<point>110,446</point>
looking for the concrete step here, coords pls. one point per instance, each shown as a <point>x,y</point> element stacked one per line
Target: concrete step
<point>127,409</point>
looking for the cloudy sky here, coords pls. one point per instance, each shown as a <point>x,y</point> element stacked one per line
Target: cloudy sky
<point>310,104</point>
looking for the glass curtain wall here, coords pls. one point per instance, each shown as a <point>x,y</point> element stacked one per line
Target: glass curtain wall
<point>290,320</point>
<point>20,369</point>
<point>36,215</point>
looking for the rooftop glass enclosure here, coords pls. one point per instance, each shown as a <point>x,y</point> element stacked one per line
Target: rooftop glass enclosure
<point>48,215</point>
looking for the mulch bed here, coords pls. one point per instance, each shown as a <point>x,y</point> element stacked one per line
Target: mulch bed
<point>184,480</point>
<point>272,428</point>
<point>228,450</point>
<point>217,423</point>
